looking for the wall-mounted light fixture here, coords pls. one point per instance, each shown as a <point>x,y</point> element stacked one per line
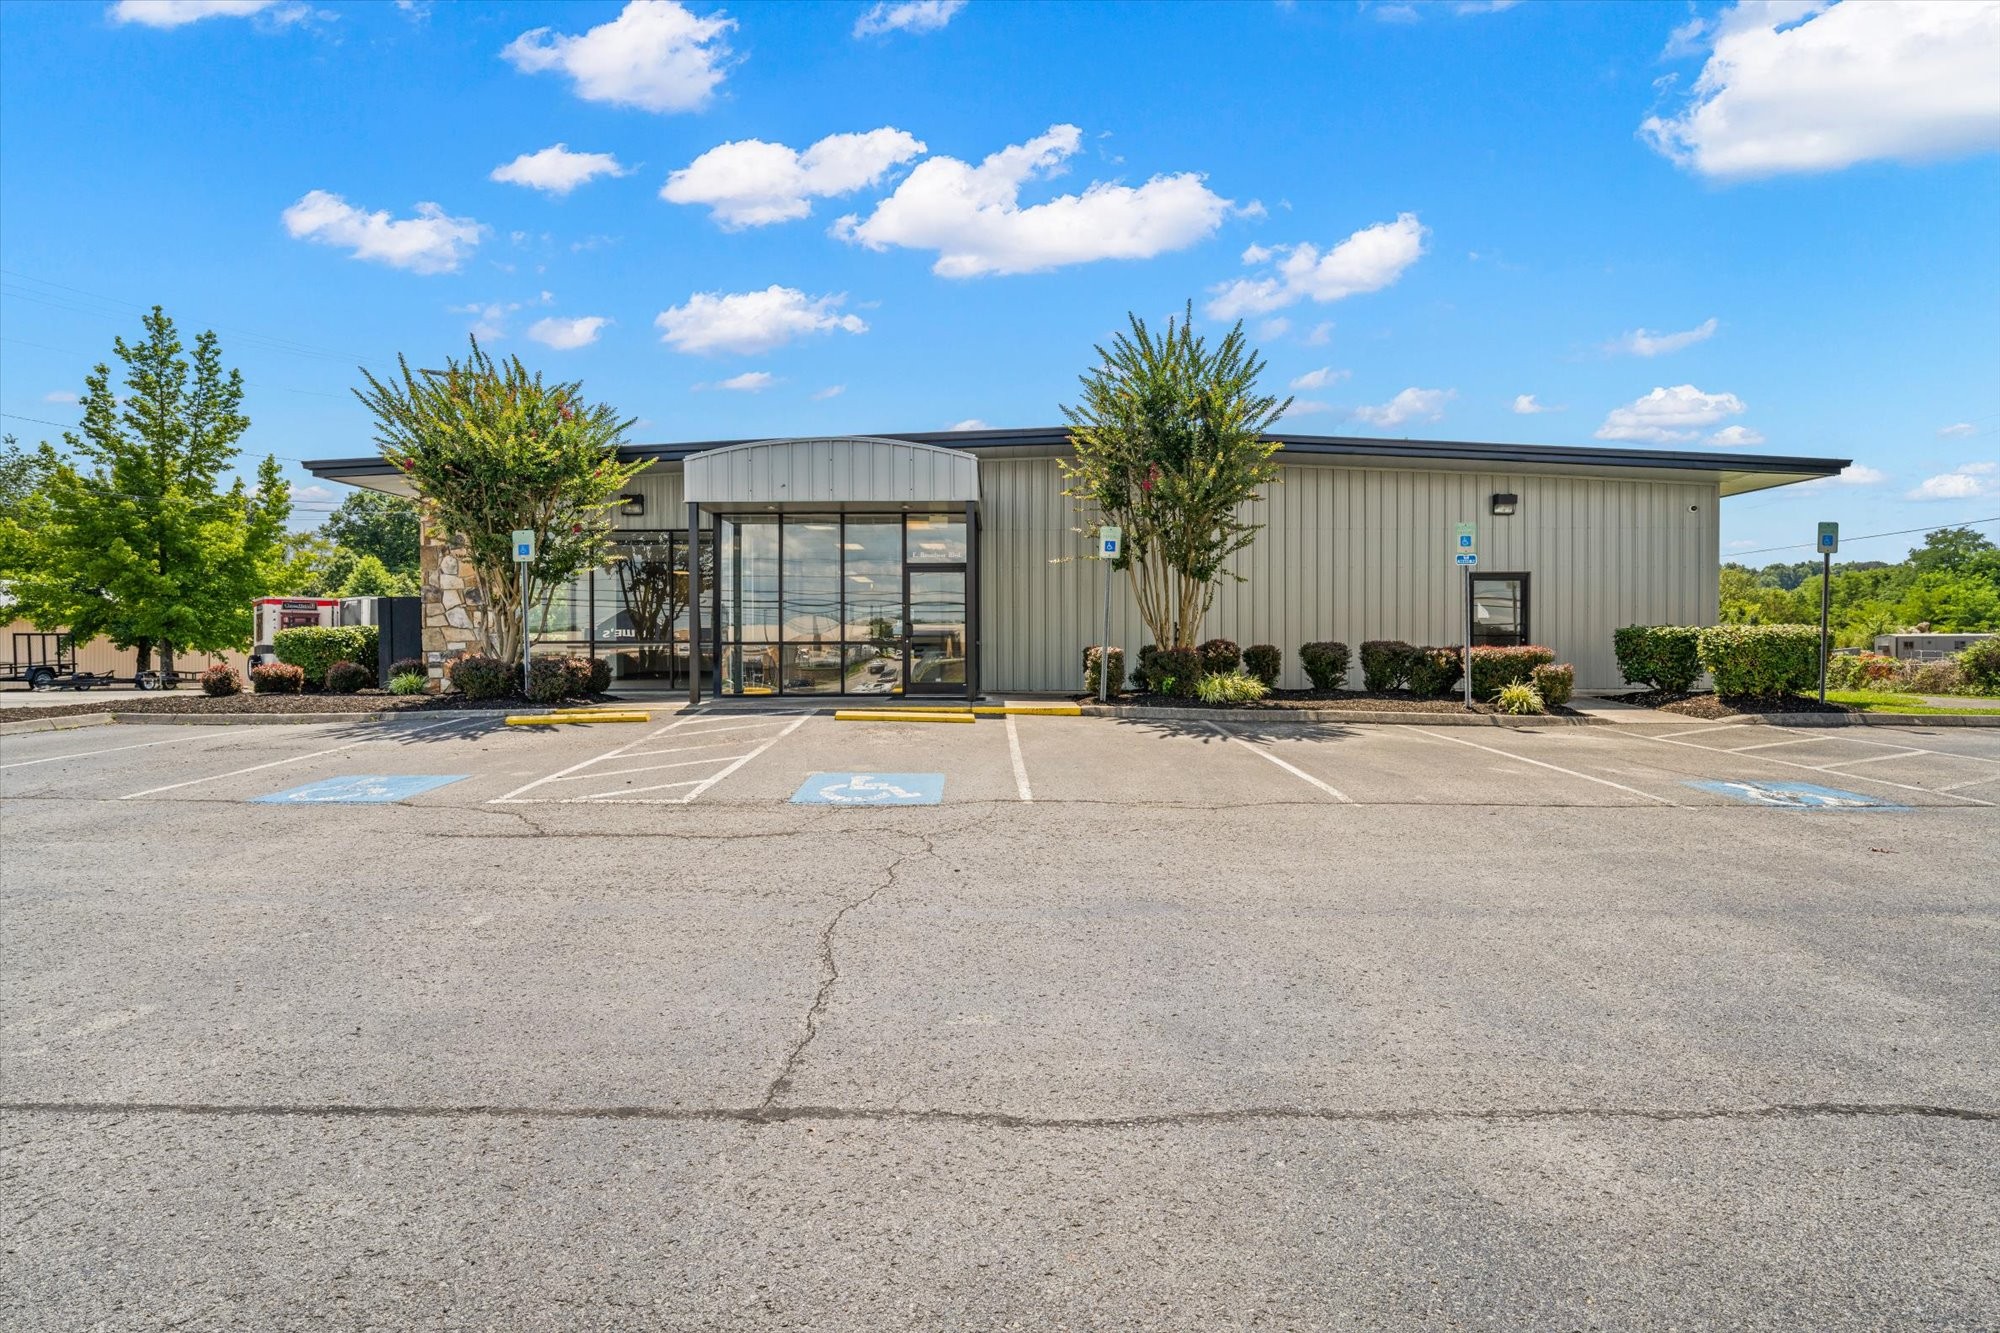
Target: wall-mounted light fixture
<point>631,506</point>
<point>1505,504</point>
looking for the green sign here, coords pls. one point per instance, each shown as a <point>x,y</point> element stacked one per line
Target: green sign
<point>1467,540</point>
<point>524,544</point>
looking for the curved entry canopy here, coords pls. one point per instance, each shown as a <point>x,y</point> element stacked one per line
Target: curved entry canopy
<point>844,472</point>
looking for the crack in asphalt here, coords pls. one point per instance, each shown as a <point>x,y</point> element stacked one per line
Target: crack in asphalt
<point>829,975</point>
<point>766,1113</point>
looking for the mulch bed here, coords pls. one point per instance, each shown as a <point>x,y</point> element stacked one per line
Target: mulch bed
<point>1705,705</point>
<point>1336,701</point>
<point>194,701</point>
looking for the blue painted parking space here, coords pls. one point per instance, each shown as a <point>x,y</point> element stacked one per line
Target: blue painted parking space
<point>363,789</point>
<point>1793,795</point>
<point>871,789</point>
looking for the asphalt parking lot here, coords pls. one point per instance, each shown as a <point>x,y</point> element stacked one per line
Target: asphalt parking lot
<point>756,1019</point>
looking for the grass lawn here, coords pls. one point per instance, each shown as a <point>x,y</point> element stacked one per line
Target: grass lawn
<point>1874,701</point>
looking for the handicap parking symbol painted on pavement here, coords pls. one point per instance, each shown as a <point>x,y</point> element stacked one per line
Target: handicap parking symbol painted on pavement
<point>871,789</point>
<point>1794,795</point>
<point>366,789</point>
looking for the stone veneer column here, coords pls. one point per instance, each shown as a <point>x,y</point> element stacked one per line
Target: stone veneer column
<point>450,588</point>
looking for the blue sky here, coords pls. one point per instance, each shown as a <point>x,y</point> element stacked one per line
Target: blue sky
<point>1770,228</point>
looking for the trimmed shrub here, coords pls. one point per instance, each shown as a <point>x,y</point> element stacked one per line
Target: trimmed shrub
<point>410,682</point>
<point>220,681</point>
<point>1090,659</point>
<point>348,678</point>
<point>408,666</point>
<point>1761,661</point>
<point>1665,657</point>
<point>1432,673</point>
<point>598,681</point>
<point>1980,666</point>
<point>1175,671</point>
<point>1555,682</point>
<point>1264,661</point>
<point>315,648</point>
<point>1495,668</point>
<point>553,678</point>
<point>1325,662</point>
<point>1149,656</point>
<point>1946,677</point>
<point>478,676</point>
<point>1862,671</point>
<point>1385,664</point>
<point>277,678</point>
<point>1519,698</point>
<point>1219,657</point>
<point>1230,687</point>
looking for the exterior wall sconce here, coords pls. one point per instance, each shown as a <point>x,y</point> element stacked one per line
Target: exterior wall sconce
<point>1505,504</point>
<point>631,506</point>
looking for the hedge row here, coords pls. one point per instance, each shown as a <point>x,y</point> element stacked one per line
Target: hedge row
<point>314,648</point>
<point>1386,664</point>
<point>1756,661</point>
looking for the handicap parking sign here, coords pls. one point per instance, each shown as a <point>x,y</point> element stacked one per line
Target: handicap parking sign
<point>366,789</point>
<point>871,789</point>
<point>1793,795</point>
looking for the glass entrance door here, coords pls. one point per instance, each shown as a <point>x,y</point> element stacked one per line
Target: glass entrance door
<point>934,614</point>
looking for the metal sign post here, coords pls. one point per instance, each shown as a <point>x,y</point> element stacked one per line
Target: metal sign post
<point>1829,542</point>
<point>1465,550</point>
<point>524,555</point>
<point>1109,539</point>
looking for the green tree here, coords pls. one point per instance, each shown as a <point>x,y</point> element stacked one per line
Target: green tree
<point>24,511</point>
<point>148,539</point>
<point>1170,447</point>
<point>369,577</point>
<point>1948,550</point>
<point>384,526</point>
<point>489,448</point>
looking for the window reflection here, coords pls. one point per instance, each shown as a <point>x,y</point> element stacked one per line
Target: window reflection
<point>937,540</point>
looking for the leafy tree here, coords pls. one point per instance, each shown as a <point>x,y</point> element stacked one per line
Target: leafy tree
<point>369,577</point>
<point>144,542</point>
<point>1948,550</point>
<point>490,448</point>
<point>384,526</point>
<point>1950,583</point>
<point>1170,448</point>
<point>24,509</point>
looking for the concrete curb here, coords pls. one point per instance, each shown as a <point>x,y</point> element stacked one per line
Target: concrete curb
<point>1331,716</point>
<point>1863,720</point>
<point>55,723</point>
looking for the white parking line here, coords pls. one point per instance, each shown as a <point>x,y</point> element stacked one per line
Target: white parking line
<point>700,785</point>
<point>1772,745</point>
<point>1297,772</point>
<point>297,758</point>
<point>1606,782</point>
<point>114,749</point>
<point>1974,782</point>
<point>1710,729</point>
<point>1021,786</point>
<point>599,758</point>
<point>1880,782</point>
<point>1871,759</point>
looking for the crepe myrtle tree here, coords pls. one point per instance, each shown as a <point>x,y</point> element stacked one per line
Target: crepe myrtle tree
<point>1169,447</point>
<point>489,448</point>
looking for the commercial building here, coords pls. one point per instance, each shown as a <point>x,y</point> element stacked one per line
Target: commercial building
<point>952,562</point>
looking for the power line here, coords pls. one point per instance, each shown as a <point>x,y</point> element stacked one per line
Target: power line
<point>1900,532</point>
<point>61,425</point>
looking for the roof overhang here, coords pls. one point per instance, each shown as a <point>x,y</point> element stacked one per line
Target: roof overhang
<point>1734,473</point>
<point>841,472</point>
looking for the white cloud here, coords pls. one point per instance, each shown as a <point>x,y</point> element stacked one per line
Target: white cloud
<point>1957,430</point>
<point>750,381</point>
<point>907,16</point>
<point>567,334</point>
<point>1367,261</point>
<point>1320,334</point>
<point>1274,328</point>
<point>60,396</point>
<point>1644,342</point>
<point>1666,416</point>
<point>556,170</point>
<point>312,495</point>
<point>489,320</point>
<point>1409,405</point>
<point>1483,6</point>
<point>1319,379</point>
<point>973,217</point>
<point>1854,474</point>
<point>1851,83</point>
<point>1306,407</point>
<point>751,183</point>
<point>1743,435</point>
<point>430,242</point>
<point>970,423</point>
<point>1967,481</point>
<point>176,13</point>
<point>1526,404</point>
<point>830,391</point>
<point>748,322</point>
<point>655,55</point>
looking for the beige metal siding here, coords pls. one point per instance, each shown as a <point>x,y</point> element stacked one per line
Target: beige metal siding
<point>666,503</point>
<point>1354,553</point>
<point>855,470</point>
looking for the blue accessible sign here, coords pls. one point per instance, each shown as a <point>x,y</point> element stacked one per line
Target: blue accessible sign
<point>366,789</point>
<point>871,789</point>
<point>1793,795</point>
